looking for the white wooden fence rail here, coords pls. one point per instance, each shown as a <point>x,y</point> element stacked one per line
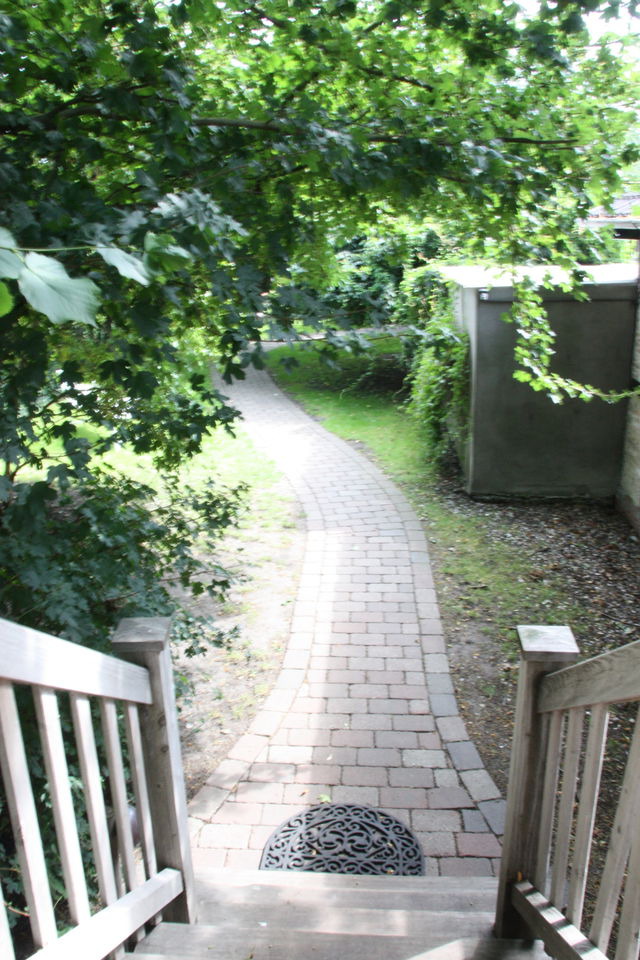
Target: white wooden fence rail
<point>136,707</point>
<point>560,742</point>
<point>29,656</point>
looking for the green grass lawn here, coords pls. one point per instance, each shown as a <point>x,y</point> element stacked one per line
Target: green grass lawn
<point>355,404</point>
<point>229,459</point>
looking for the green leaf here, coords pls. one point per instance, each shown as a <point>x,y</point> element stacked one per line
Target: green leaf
<point>6,300</point>
<point>125,263</point>
<point>6,239</point>
<point>161,251</point>
<point>47,286</point>
<point>573,23</point>
<point>10,264</point>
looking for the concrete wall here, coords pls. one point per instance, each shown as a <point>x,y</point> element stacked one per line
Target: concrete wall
<point>520,442</point>
<point>629,495</point>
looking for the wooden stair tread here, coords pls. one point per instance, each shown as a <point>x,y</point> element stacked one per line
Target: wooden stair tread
<point>288,915</point>
<point>296,945</point>
<point>297,892</point>
<point>229,877</point>
<point>433,927</point>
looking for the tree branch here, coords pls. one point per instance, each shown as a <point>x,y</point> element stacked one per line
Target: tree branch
<point>277,126</point>
<point>396,77</point>
<point>276,21</point>
<point>559,142</point>
<point>271,125</point>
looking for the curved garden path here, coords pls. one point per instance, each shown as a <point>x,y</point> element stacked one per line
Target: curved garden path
<point>363,710</point>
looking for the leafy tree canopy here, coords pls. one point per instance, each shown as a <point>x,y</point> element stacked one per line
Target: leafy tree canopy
<point>177,161</point>
<point>171,173</point>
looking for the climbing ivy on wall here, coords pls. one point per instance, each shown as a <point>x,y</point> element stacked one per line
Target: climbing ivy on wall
<point>440,379</point>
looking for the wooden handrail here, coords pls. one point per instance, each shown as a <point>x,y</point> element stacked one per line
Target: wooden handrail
<point>106,930</point>
<point>543,649</point>
<point>547,923</point>
<point>136,699</point>
<point>30,656</point>
<point>613,677</point>
<point>559,745</point>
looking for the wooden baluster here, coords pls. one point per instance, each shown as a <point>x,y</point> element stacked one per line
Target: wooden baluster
<point>629,930</point>
<point>550,786</point>
<point>573,746</point>
<point>146,641</point>
<point>118,789</point>
<point>26,830</point>
<point>55,759</point>
<point>139,778</point>
<point>543,649</point>
<point>142,808</point>
<point>94,800</point>
<point>624,828</point>
<point>94,797</point>
<point>596,742</point>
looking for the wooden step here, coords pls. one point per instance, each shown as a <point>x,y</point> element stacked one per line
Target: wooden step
<point>222,890</point>
<point>287,915</point>
<point>298,946</point>
<point>430,927</point>
<point>339,881</point>
<point>235,880</point>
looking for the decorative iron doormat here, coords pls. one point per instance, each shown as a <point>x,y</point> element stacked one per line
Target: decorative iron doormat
<point>343,838</point>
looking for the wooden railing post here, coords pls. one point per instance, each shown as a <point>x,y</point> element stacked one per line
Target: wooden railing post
<point>145,641</point>
<point>543,649</point>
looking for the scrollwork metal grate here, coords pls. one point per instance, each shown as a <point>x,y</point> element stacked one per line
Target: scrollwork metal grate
<point>343,838</point>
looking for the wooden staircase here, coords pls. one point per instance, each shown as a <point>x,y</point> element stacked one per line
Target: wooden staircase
<point>269,915</point>
<point>560,741</point>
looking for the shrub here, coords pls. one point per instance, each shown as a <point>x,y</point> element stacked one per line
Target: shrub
<point>440,382</point>
<point>75,559</point>
<point>418,296</point>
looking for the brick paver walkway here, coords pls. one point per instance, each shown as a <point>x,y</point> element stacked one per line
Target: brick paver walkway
<point>363,710</point>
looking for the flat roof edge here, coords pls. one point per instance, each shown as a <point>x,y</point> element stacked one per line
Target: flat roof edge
<point>495,279</point>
